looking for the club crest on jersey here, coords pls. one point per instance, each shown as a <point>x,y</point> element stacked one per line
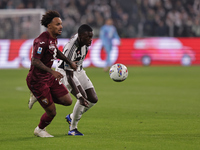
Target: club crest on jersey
<point>39,51</point>
<point>52,47</point>
<point>78,53</point>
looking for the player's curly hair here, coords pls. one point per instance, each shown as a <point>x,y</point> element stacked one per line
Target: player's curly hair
<point>48,17</point>
<point>83,28</point>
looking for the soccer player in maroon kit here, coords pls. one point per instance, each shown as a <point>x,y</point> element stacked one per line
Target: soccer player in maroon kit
<point>42,81</point>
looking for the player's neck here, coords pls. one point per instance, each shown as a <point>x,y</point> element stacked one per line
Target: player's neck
<point>80,43</point>
<point>52,35</point>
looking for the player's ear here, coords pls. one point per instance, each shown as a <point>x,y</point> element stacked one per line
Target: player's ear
<point>49,26</point>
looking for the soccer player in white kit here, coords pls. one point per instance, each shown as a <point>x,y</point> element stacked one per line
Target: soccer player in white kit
<point>77,82</point>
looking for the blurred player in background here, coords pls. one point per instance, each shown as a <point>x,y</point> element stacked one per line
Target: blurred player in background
<point>77,82</point>
<point>108,32</point>
<point>42,81</point>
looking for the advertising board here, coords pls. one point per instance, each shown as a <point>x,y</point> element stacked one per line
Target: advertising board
<point>130,52</point>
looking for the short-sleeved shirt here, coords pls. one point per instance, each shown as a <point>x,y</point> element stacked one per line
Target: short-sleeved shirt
<point>108,33</point>
<point>74,52</point>
<point>45,49</point>
<point>42,84</point>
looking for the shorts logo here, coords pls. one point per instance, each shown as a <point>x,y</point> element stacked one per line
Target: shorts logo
<point>45,101</point>
<point>39,51</point>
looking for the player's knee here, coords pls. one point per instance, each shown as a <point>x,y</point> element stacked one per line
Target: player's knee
<point>54,114</point>
<point>51,114</point>
<point>93,99</point>
<point>51,110</point>
<point>68,102</point>
<point>96,99</point>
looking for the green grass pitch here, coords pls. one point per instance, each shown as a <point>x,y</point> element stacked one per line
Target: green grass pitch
<point>155,108</point>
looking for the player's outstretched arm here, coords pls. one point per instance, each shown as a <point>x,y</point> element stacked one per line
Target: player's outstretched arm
<point>61,56</point>
<point>37,63</point>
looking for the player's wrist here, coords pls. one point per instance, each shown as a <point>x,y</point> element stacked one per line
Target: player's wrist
<point>51,71</point>
<point>70,63</point>
<point>78,95</point>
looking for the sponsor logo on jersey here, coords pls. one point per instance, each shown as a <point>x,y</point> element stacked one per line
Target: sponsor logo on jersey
<point>66,65</point>
<point>42,42</point>
<point>39,51</point>
<point>45,101</point>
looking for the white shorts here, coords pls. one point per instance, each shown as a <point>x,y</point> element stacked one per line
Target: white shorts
<point>80,78</point>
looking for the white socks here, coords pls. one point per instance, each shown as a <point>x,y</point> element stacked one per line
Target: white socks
<point>78,111</point>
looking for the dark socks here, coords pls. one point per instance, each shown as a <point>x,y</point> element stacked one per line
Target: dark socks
<point>44,121</point>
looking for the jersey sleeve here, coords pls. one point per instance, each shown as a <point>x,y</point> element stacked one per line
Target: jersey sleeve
<point>116,34</point>
<point>39,48</point>
<point>66,52</point>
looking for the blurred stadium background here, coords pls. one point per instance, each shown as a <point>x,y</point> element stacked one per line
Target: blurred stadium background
<point>167,21</point>
<point>155,108</point>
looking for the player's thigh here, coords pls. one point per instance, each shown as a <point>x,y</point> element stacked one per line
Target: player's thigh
<point>65,80</point>
<point>60,93</point>
<point>65,100</point>
<point>87,86</point>
<point>108,47</point>
<point>84,80</point>
<point>82,91</point>
<point>42,92</point>
<point>91,94</point>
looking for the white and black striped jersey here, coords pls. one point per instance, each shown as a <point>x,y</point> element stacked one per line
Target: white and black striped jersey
<point>73,52</point>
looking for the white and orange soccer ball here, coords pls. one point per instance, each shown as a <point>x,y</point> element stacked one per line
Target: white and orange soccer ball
<point>118,72</point>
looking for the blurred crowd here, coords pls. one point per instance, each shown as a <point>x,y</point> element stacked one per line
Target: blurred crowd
<point>132,18</point>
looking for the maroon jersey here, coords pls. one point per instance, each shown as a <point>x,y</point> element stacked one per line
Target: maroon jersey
<point>45,49</point>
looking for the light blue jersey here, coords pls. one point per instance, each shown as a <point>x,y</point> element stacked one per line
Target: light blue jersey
<point>107,34</point>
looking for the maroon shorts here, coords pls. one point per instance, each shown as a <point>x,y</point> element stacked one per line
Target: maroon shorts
<point>47,92</point>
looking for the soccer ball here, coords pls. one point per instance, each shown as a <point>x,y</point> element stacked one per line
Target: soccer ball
<point>118,72</point>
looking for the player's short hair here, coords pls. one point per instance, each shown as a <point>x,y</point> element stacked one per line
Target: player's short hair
<point>48,17</point>
<point>83,28</point>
